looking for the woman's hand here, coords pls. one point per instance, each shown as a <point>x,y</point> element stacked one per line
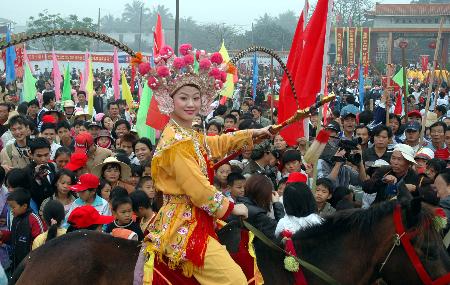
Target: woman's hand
<point>264,132</point>
<point>240,210</point>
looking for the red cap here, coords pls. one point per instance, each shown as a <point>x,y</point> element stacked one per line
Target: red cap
<point>442,154</point>
<point>48,119</point>
<point>83,141</point>
<point>415,113</point>
<point>86,216</point>
<point>297,177</point>
<point>85,182</point>
<point>77,161</point>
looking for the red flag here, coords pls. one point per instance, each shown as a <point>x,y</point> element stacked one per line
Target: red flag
<point>287,104</point>
<point>424,62</point>
<point>398,104</point>
<point>155,119</point>
<point>158,37</point>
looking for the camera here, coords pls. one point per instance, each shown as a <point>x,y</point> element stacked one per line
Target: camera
<point>348,146</point>
<point>43,170</point>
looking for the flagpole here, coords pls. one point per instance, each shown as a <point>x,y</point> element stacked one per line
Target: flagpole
<point>389,72</point>
<point>431,79</point>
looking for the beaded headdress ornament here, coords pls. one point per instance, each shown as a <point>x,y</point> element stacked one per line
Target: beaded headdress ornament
<point>170,73</point>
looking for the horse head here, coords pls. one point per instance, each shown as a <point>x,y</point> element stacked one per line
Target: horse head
<point>418,255</point>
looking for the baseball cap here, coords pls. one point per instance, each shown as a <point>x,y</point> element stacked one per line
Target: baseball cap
<point>83,141</point>
<point>349,110</point>
<point>85,182</point>
<point>413,126</point>
<point>425,153</point>
<point>68,104</point>
<point>406,151</point>
<point>86,216</point>
<point>296,177</point>
<point>77,161</point>
<point>415,113</point>
<point>333,126</point>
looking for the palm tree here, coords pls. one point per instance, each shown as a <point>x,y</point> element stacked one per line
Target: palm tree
<point>132,14</point>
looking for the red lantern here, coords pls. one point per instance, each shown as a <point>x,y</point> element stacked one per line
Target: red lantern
<point>403,44</point>
<point>432,45</point>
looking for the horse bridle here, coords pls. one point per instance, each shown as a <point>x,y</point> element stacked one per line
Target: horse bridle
<point>403,237</point>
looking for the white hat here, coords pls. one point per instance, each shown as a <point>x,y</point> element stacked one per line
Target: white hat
<point>380,163</point>
<point>425,153</point>
<point>407,152</point>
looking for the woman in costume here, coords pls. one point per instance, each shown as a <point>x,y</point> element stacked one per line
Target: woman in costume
<point>183,231</point>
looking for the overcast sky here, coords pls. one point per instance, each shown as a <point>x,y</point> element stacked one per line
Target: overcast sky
<point>236,12</point>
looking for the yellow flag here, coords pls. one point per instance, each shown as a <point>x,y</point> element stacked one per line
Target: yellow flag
<point>229,84</point>
<point>126,93</point>
<point>90,89</point>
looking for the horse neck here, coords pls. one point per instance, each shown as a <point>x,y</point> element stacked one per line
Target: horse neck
<point>359,255</point>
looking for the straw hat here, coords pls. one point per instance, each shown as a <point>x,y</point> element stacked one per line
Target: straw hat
<point>82,113</point>
<point>431,119</point>
<point>125,170</point>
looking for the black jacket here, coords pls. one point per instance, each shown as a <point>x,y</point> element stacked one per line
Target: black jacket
<point>376,185</point>
<point>258,218</point>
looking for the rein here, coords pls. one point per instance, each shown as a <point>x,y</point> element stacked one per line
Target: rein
<point>403,237</point>
<point>313,269</point>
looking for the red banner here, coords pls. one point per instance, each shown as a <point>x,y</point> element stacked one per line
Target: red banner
<point>351,45</point>
<point>105,58</point>
<point>365,48</point>
<point>339,34</point>
<point>424,62</point>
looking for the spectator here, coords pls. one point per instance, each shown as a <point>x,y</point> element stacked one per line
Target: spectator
<point>362,132</point>
<point>53,215</point>
<point>143,149</point>
<point>114,172</point>
<point>62,157</point>
<point>412,133</point>
<point>261,158</point>
<point>323,193</point>
<point>64,133</point>
<point>49,103</point>
<point>48,131</point>
<point>437,131</point>
<point>258,118</point>
<point>84,143</point>
<point>122,210</point>
<point>379,150</point>
<point>87,218</point>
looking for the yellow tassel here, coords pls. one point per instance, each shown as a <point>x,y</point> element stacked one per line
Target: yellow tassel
<point>149,265</point>
<point>259,280</point>
<point>188,268</point>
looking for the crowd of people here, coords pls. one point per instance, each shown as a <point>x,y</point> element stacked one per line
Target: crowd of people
<point>63,169</point>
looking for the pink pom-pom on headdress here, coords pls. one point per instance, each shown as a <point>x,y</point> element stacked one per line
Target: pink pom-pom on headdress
<point>216,73</point>
<point>205,64</point>
<point>223,76</point>
<point>163,71</point>
<point>166,52</point>
<point>185,49</point>
<point>188,59</point>
<point>216,58</point>
<point>144,68</point>
<point>178,63</point>
<point>153,83</point>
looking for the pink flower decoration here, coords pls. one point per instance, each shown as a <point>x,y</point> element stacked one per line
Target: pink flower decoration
<point>219,84</point>
<point>178,63</point>
<point>166,52</point>
<point>153,83</point>
<point>223,76</point>
<point>163,71</point>
<point>185,49</point>
<point>215,72</point>
<point>144,68</point>
<point>216,58</point>
<point>188,59</point>
<point>205,64</point>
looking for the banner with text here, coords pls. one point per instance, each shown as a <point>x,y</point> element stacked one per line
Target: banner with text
<point>339,34</point>
<point>351,45</point>
<point>365,49</point>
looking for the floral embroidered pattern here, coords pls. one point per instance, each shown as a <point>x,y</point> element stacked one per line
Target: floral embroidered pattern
<point>214,203</point>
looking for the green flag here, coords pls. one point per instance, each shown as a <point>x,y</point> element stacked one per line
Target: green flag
<point>398,78</point>
<point>29,85</point>
<point>67,88</point>
<point>196,64</point>
<point>145,131</point>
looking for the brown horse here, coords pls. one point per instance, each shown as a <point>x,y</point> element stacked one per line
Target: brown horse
<point>350,246</point>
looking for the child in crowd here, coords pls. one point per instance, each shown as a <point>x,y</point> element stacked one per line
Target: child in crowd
<point>104,189</point>
<point>136,173</point>
<point>292,161</point>
<point>64,178</point>
<point>300,208</point>
<point>126,143</point>
<point>53,215</point>
<point>20,178</point>
<point>87,218</point>
<point>122,211</point>
<point>146,184</point>
<point>78,163</point>
<point>142,207</point>
<point>26,225</point>
<point>220,179</point>
<point>86,188</point>
<point>236,183</point>
<point>323,193</point>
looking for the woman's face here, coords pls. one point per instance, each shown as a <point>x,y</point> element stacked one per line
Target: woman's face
<point>62,160</point>
<point>111,174</point>
<point>147,187</point>
<point>223,172</point>
<point>443,190</point>
<point>212,130</point>
<point>279,143</point>
<point>381,140</point>
<point>142,152</point>
<point>187,104</point>
<point>106,190</point>
<point>121,130</point>
<point>63,185</point>
<point>108,123</point>
<point>394,126</point>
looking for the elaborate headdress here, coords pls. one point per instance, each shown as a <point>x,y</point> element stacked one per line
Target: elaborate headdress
<point>205,71</point>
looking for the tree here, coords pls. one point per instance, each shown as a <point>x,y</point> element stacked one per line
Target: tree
<point>351,12</point>
<point>132,15</point>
